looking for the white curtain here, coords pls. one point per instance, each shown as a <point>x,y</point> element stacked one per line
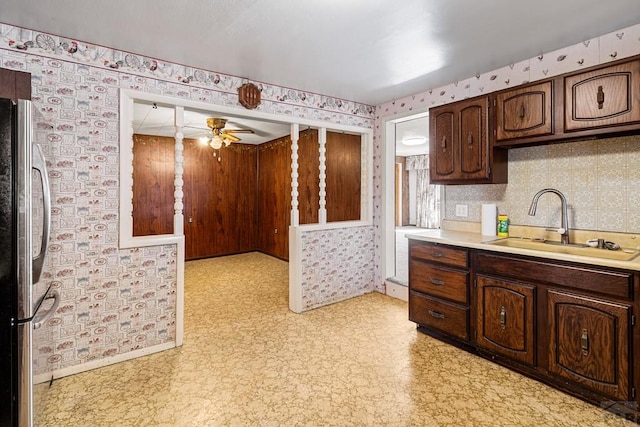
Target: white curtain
<point>428,196</point>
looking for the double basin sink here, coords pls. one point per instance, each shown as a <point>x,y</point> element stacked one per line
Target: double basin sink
<point>572,249</point>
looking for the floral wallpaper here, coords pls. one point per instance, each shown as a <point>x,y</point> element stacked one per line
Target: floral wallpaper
<point>337,264</point>
<point>598,177</point>
<point>115,300</point>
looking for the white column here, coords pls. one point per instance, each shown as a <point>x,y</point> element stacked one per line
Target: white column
<point>322,211</point>
<point>295,212</point>
<point>178,195</point>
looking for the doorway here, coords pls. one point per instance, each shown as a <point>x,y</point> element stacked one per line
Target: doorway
<point>412,203</point>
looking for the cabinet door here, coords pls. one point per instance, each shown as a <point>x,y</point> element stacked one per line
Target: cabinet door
<point>524,112</point>
<point>442,145</point>
<point>604,97</point>
<point>458,146</point>
<point>589,342</point>
<point>472,124</point>
<point>505,318</point>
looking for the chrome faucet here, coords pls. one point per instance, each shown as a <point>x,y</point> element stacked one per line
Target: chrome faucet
<point>564,227</point>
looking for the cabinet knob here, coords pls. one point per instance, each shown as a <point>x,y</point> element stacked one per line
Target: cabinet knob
<point>437,282</point>
<point>503,318</point>
<point>600,98</point>
<point>443,143</point>
<point>190,220</point>
<point>470,140</point>
<point>436,314</point>
<point>584,342</point>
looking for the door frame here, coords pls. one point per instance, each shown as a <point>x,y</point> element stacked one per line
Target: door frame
<point>387,233</point>
<point>126,238</point>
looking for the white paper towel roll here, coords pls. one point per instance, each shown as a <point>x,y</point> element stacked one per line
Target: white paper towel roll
<point>489,219</point>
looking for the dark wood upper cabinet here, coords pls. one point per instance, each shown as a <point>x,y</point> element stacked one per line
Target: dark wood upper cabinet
<point>608,96</point>
<point>459,145</point>
<point>600,101</point>
<point>525,111</point>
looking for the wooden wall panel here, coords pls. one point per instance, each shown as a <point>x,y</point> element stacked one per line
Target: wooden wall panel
<point>243,202</point>
<point>153,176</point>
<point>220,200</point>
<point>404,220</point>
<point>274,197</point>
<point>343,176</point>
<point>308,180</point>
<point>15,84</point>
<point>219,196</point>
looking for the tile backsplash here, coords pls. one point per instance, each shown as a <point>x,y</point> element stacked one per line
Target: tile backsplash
<point>600,179</point>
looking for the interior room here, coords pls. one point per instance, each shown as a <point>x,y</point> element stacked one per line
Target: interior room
<point>290,213</point>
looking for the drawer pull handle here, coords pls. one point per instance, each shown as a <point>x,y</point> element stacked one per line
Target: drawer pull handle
<point>443,144</point>
<point>522,112</point>
<point>600,96</point>
<point>436,254</point>
<point>437,282</point>
<point>584,342</point>
<point>436,314</point>
<point>470,140</point>
<point>503,318</point>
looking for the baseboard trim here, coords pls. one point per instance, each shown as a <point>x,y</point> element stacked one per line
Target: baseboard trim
<point>397,290</point>
<point>84,367</point>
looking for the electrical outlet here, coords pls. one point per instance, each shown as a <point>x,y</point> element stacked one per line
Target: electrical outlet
<point>462,210</point>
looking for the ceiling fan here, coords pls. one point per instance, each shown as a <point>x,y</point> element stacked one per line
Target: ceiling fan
<point>217,136</point>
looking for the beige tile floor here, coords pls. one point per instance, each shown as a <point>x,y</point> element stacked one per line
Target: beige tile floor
<point>248,361</point>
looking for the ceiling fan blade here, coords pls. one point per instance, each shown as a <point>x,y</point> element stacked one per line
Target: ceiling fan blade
<point>238,131</point>
<point>230,137</point>
<point>197,127</point>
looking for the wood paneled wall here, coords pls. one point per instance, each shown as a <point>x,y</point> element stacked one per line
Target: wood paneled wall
<point>153,176</point>
<point>274,181</point>
<point>220,199</point>
<point>219,196</point>
<point>402,219</point>
<point>15,84</point>
<point>274,197</point>
<point>243,202</point>
<point>344,176</point>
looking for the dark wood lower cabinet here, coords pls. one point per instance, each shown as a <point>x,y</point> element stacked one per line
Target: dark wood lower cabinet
<point>570,325</point>
<point>505,319</point>
<point>589,342</point>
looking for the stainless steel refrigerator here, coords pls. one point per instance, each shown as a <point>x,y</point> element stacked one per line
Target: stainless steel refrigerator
<point>22,308</point>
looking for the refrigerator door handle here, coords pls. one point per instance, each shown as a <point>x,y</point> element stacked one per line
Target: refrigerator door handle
<point>40,318</point>
<point>39,164</point>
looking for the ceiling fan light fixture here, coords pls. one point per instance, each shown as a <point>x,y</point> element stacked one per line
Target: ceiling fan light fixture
<point>216,142</point>
<point>414,140</point>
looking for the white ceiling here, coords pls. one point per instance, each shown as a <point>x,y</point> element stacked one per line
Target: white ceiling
<point>369,51</point>
<point>415,126</point>
<point>155,119</point>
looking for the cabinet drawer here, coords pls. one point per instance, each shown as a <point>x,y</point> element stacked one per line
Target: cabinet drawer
<point>616,283</point>
<point>425,251</point>
<point>440,282</point>
<point>449,318</point>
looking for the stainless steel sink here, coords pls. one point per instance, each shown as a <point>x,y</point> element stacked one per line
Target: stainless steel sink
<point>572,249</point>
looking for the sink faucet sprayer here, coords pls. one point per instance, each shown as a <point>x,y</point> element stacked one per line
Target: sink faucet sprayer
<point>564,227</point>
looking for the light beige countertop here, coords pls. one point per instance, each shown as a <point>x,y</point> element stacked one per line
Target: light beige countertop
<point>475,240</point>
